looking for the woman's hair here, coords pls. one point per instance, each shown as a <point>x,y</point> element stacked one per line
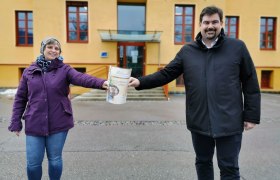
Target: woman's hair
<point>47,41</point>
<point>210,10</point>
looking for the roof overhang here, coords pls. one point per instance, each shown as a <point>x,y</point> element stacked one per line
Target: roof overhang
<point>135,36</point>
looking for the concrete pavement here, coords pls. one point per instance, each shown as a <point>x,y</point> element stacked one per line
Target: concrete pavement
<point>141,141</point>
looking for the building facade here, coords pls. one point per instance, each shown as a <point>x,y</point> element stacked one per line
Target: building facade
<point>144,35</point>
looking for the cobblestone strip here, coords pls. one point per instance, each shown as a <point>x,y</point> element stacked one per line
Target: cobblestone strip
<point>139,123</point>
<point>128,123</point>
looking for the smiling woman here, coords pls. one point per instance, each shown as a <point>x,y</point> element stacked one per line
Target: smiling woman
<point>47,41</point>
<point>42,101</point>
<point>51,52</point>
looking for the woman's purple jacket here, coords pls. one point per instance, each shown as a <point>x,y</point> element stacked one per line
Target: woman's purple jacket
<point>42,98</point>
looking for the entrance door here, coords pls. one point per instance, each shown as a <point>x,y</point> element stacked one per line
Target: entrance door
<point>132,55</point>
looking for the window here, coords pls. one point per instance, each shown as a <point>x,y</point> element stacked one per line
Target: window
<point>266,79</point>
<point>82,70</point>
<point>268,33</point>
<point>231,26</point>
<point>131,18</point>
<point>24,28</point>
<point>20,72</point>
<point>77,22</point>
<point>184,24</point>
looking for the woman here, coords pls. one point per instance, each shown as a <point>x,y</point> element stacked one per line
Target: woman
<point>42,101</point>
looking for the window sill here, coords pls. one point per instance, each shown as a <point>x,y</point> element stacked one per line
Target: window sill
<point>83,42</point>
<point>23,45</point>
<point>268,49</point>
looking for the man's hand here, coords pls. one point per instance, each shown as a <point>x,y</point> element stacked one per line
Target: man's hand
<point>249,125</point>
<point>133,82</point>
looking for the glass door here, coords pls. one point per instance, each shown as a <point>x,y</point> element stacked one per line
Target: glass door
<point>131,55</point>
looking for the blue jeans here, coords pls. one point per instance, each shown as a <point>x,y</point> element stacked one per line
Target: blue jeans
<point>227,149</point>
<point>35,151</point>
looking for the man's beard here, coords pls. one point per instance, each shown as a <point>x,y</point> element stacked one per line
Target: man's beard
<point>213,36</point>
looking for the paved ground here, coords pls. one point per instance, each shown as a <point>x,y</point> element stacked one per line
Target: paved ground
<point>141,141</point>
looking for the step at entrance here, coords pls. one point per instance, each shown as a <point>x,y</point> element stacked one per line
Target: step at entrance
<point>155,94</point>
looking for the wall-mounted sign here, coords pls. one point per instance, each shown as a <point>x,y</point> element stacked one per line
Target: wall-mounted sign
<point>104,54</point>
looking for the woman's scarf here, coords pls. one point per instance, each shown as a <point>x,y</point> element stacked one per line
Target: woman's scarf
<point>44,64</point>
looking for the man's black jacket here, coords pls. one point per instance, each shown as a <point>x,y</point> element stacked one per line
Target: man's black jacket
<point>221,86</point>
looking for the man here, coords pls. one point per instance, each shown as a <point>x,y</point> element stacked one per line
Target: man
<point>216,71</point>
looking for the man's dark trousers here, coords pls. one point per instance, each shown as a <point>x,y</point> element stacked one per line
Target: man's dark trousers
<point>227,148</point>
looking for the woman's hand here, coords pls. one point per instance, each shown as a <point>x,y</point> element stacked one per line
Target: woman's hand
<point>105,85</point>
<point>17,132</point>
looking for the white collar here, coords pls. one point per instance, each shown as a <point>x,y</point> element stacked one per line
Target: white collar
<point>212,43</point>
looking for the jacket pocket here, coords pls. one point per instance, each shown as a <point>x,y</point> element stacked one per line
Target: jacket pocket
<point>188,104</point>
<point>26,112</point>
<point>66,107</point>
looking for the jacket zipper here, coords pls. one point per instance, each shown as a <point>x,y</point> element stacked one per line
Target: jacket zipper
<point>206,73</point>
<point>46,99</point>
